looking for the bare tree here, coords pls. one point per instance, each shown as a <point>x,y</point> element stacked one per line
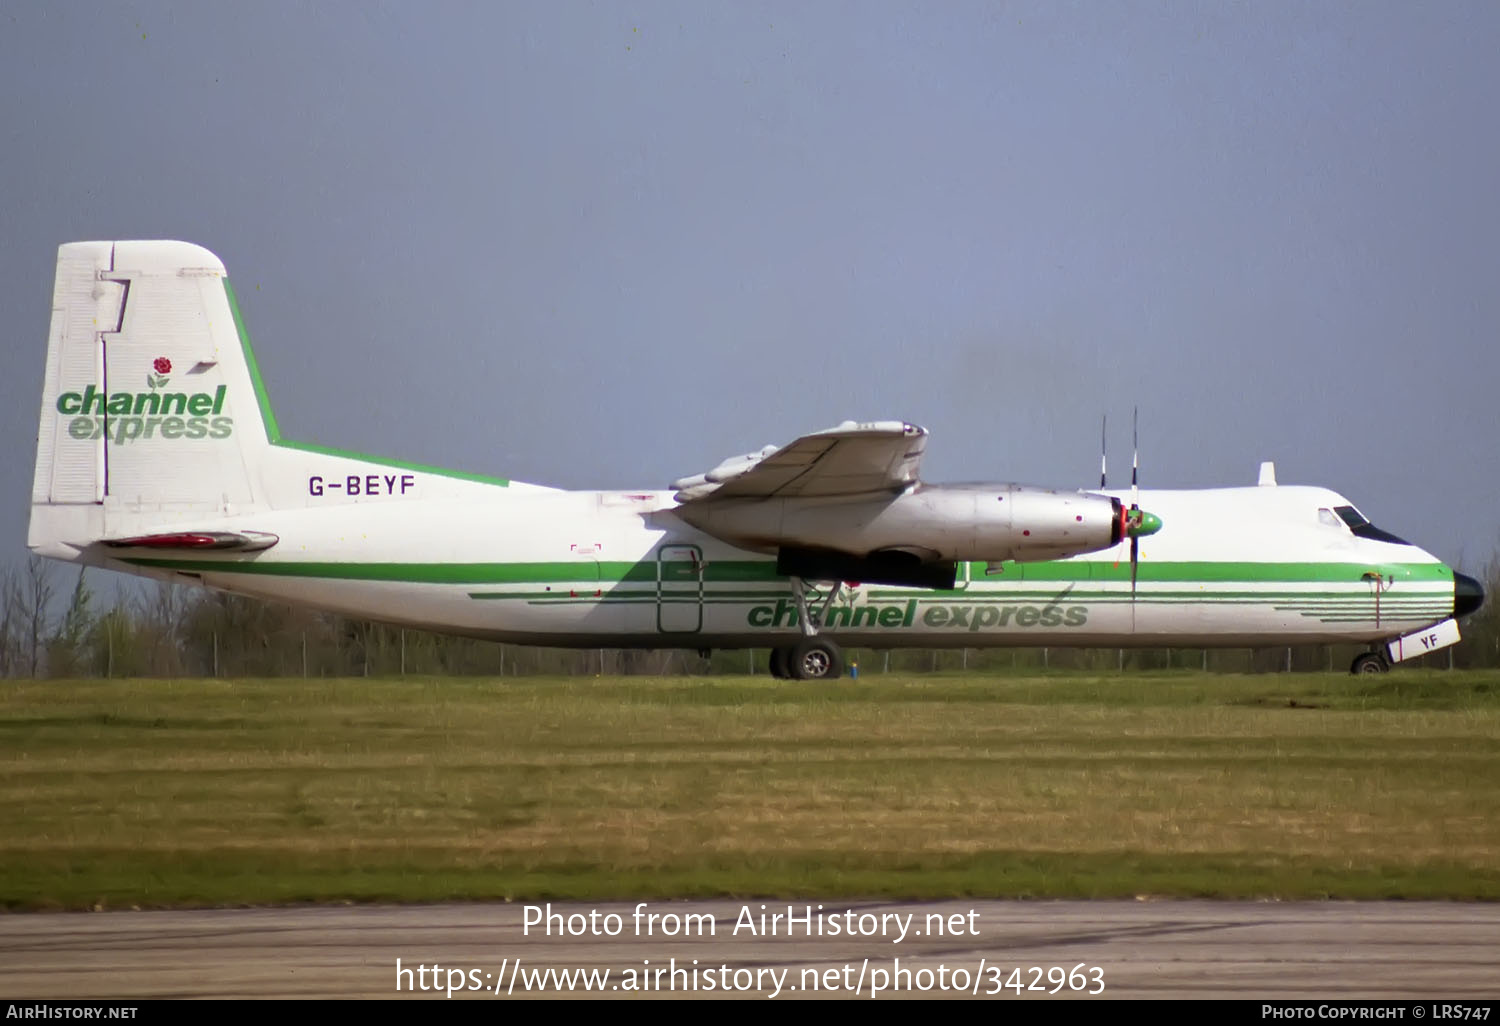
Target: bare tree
<point>36,597</point>
<point>11,647</point>
<point>67,649</point>
<point>161,613</point>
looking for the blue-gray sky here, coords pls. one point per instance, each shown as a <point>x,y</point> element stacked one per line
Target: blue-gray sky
<point>611,244</point>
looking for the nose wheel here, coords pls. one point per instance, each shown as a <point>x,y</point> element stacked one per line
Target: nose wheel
<point>1369,662</point>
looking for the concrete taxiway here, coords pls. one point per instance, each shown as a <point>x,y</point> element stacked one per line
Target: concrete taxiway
<point>1198,949</point>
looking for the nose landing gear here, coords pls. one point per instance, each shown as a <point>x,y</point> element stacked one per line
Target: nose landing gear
<point>1370,662</point>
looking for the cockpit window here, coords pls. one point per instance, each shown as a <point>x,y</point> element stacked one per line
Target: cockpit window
<point>1351,516</point>
<point>1362,528</point>
<point>1327,519</point>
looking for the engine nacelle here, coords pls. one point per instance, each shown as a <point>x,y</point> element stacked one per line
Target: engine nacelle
<point>934,523</point>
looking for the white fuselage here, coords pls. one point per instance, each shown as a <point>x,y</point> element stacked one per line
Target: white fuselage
<point>1234,566</point>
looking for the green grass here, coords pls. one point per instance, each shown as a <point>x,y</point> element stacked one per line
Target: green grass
<point>163,793</point>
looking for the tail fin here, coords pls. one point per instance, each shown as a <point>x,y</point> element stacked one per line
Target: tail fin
<point>148,402</point>
<point>148,399</point>
<point>153,413</point>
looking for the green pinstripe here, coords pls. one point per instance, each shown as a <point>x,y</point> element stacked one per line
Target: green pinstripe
<point>765,570</point>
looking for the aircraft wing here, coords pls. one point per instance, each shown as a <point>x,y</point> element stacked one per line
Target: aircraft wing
<point>851,459</point>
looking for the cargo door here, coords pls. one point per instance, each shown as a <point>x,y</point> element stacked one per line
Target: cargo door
<point>679,589</point>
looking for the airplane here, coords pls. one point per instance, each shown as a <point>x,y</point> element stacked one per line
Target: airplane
<point>158,454</point>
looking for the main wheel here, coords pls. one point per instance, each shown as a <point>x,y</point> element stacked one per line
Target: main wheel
<point>817,659</point>
<point>1369,662</point>
<point>781,663</point>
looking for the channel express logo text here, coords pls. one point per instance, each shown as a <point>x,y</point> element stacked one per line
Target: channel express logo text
<point>948,616</point>
<point>130,416</point>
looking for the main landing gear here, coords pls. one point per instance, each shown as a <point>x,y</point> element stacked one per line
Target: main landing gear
<point>809,659</point>
<point>815,657</point>
<point>1370,662</point>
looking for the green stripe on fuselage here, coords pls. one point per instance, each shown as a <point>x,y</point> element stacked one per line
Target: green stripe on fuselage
<point>765,570</point>
<point>1102,570</point>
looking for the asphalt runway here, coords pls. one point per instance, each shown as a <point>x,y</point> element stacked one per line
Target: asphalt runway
<point>1148,949</point>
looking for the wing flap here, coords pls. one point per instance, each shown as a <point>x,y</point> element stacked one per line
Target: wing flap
<point>851,459</point>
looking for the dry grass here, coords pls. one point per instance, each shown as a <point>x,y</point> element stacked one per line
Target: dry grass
<point>213,792</point>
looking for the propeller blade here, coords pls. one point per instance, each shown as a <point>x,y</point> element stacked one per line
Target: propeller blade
<point>1135,558</point>
<point>1103,449</point>
<point>1135,459</point>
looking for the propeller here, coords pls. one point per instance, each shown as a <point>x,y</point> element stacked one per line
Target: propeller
<point>1135,505</point>
<point>1134,522</point>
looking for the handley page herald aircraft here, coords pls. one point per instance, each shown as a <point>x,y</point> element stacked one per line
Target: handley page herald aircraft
<point>158,454</point>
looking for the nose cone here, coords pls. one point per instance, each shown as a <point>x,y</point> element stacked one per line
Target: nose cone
<point>1467,594</point>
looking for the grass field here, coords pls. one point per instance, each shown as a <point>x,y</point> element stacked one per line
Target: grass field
<point>211,792</point>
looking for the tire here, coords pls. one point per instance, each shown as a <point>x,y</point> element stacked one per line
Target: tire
<point>781,662</point>
<point>1369,662</point>
<point>817,659</point>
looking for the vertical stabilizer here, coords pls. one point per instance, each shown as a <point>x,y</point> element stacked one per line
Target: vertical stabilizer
<point>148,405</point>
<point>154,417</point>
